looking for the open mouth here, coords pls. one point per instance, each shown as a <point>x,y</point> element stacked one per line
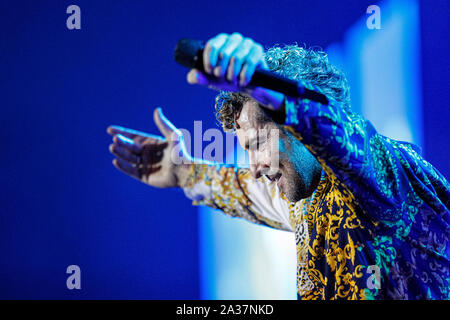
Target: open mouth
<point>275,177</point>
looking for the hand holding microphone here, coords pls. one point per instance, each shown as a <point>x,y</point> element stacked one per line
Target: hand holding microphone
<point>234,63</point>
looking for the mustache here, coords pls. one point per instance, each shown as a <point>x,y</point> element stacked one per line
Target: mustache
<point>274,176</point>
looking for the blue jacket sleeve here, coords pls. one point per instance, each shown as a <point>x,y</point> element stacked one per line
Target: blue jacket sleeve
<point>385,176</point>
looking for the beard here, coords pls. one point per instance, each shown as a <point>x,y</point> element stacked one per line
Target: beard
<point>293,186</point>
<point>300,169</point>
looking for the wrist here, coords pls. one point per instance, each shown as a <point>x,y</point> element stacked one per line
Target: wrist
<point>183,172</point>
<point>193,173</point>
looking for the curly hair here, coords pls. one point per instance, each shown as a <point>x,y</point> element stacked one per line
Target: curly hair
<point>296,63</point>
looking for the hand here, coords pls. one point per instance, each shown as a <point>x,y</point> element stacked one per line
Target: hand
<point>230,62</point>
<point>157,161</point>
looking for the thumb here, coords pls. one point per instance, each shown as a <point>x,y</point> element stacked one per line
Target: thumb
<point>164,125</point>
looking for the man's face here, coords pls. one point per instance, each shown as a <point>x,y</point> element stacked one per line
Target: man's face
<point>276,153</point>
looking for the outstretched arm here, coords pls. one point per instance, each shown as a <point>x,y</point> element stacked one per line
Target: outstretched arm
<point>162,161</point>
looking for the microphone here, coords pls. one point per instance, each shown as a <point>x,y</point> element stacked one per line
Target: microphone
<point>189,53</point>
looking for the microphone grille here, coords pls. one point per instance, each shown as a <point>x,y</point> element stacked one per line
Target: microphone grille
<point>188,52</point>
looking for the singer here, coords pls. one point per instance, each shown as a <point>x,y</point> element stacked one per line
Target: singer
<point>370,215</point>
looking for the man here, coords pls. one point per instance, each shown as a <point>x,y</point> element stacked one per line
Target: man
<point>370,215</point>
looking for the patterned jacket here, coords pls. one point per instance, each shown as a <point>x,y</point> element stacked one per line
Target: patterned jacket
<point>377,226</point>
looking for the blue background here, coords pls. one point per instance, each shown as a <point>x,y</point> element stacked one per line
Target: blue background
<point>61,200</point>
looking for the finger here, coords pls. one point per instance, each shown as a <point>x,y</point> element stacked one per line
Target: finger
<point>237,59</point>
<point>254,58</point>
<point>211,51</point>
<point>124,154</point>
<point>164,125</point>
<point>192,76</point>
<point>129,133</point>
<point>126,168</point>
<point>225,52</point>
<point>133,134</point>
<point>127,143</point>
<point>263,64</point>
<point>196,77</point>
